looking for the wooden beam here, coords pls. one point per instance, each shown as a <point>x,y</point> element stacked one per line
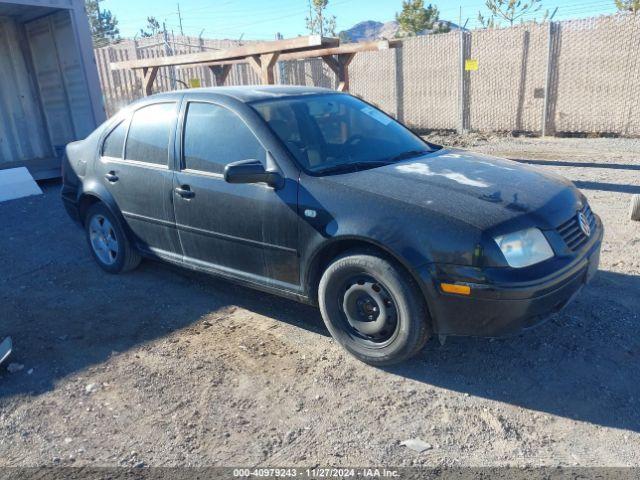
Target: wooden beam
<point>288,45</point>
<point>346,58</point>
<point>255,63</point>
<point>149,76</point>
<point>346,48</point>
<point>220,72</point>
<point>340,66</point>
<point>324,52</point>
<point>268,61</point>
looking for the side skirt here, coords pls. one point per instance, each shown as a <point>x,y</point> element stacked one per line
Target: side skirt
<point>258,283</point>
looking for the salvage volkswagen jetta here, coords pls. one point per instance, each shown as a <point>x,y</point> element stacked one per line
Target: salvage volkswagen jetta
<point>323,198</point>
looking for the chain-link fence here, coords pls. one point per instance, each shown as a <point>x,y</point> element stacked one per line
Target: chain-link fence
<point>576,76</point>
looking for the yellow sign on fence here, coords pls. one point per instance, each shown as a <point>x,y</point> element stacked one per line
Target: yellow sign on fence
<point>195,83</point>
<point>471,65</point>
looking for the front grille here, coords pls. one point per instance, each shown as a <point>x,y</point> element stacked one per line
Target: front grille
<point>571,232</point>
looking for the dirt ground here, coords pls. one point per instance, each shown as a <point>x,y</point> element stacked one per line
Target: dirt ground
<point>163,367</point>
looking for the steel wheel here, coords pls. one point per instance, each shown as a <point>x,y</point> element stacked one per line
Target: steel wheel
<point>369,309</point>
<point>373,308</point>
<point>103,239</point>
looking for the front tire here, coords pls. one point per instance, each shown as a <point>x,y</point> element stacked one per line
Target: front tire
<point>108,243</point>
<point>373,308</point>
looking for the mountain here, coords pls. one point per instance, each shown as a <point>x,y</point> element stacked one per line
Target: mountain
<point>372,30</point>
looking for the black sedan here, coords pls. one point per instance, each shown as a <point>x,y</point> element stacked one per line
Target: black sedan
<point>323,198</point>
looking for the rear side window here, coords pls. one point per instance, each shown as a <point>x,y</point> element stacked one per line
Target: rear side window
<point>114,143</point>
<point>148,139</point>
<point>215,136</point>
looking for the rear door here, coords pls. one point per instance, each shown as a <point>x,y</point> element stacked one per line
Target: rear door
<point>134,168</point>
<point>246,230</point>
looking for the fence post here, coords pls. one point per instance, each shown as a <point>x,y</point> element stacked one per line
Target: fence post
<point>399,73</point>
<point>547,79</point>
<point>463,90</point>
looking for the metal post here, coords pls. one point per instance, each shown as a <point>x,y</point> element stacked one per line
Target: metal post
<point>462,91</point>
<point>168,52</point>
<point>461,84</point>
<point>547,79</point>
<point>180,19</point>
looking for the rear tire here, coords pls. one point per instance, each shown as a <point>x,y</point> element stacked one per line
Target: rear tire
<point>634,211</point>
<point>373,308</point>
<point>107,241</point>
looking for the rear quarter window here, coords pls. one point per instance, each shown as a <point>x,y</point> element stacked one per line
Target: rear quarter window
<point>114,143</point>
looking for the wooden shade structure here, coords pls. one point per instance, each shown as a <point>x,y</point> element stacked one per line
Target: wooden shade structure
<point>262,57</point>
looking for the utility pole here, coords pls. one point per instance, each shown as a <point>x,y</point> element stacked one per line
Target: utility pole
<point>168,52</point>
<point>180,20</point>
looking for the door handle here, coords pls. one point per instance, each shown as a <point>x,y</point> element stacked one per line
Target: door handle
<point>111,176</point>
<point>185,191</point>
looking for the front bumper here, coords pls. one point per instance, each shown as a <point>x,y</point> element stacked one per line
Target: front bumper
<point>498,308</point>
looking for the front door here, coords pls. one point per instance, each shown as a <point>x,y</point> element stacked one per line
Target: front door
<point>137,175</point>
<point>245,230</point>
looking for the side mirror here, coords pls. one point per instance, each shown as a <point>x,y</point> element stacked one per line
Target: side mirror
<point>252,171</point>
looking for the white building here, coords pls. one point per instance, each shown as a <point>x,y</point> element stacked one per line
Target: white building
<point>49,87</point>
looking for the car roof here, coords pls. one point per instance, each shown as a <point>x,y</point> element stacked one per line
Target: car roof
<point>249,93</point>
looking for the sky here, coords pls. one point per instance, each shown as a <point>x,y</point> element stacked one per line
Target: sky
<point>262,19</point>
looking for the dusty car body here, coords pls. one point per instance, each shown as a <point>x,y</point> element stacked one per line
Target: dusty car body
<point>293,220</point>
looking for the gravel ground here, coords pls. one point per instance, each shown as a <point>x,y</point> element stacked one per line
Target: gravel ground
<point>163,367</point>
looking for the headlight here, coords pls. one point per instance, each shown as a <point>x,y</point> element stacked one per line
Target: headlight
<point>524,248</point>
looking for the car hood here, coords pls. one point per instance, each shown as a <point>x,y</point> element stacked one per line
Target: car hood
<point>477,189</point>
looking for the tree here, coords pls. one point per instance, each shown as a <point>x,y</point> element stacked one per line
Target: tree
<point>152,28</point>
<point>318,23</point>
<point>104,25</point>
<point>509,10</point>
<point>415,19</point>
<point>632,6</point>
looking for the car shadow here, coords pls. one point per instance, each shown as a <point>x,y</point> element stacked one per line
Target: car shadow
<point>607,187</point>
<point>565,163</point>
<point>582,364</point>
<point>67,316</point>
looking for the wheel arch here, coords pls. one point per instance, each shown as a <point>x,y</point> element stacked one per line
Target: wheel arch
<point>332,249</point>
<point>89,197</point>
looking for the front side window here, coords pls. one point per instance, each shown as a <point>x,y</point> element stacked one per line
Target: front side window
<point>214,136</point>
<point>114,143</point>
<point>149,134</point>
<point>336,133</point>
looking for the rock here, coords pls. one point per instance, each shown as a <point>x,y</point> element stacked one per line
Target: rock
<point>90,388</point>
<point>140,465</point>
<point>68,440</point>
<point>417,445</point>
<point>14,367</point>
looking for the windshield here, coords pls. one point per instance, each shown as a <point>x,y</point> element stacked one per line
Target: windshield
<point>336,133</point>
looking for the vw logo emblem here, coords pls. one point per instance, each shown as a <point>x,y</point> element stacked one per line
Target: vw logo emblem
<point>584,224</point>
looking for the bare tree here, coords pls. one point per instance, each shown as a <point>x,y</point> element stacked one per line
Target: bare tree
<point>509,11</point>
<point>318,22</point>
